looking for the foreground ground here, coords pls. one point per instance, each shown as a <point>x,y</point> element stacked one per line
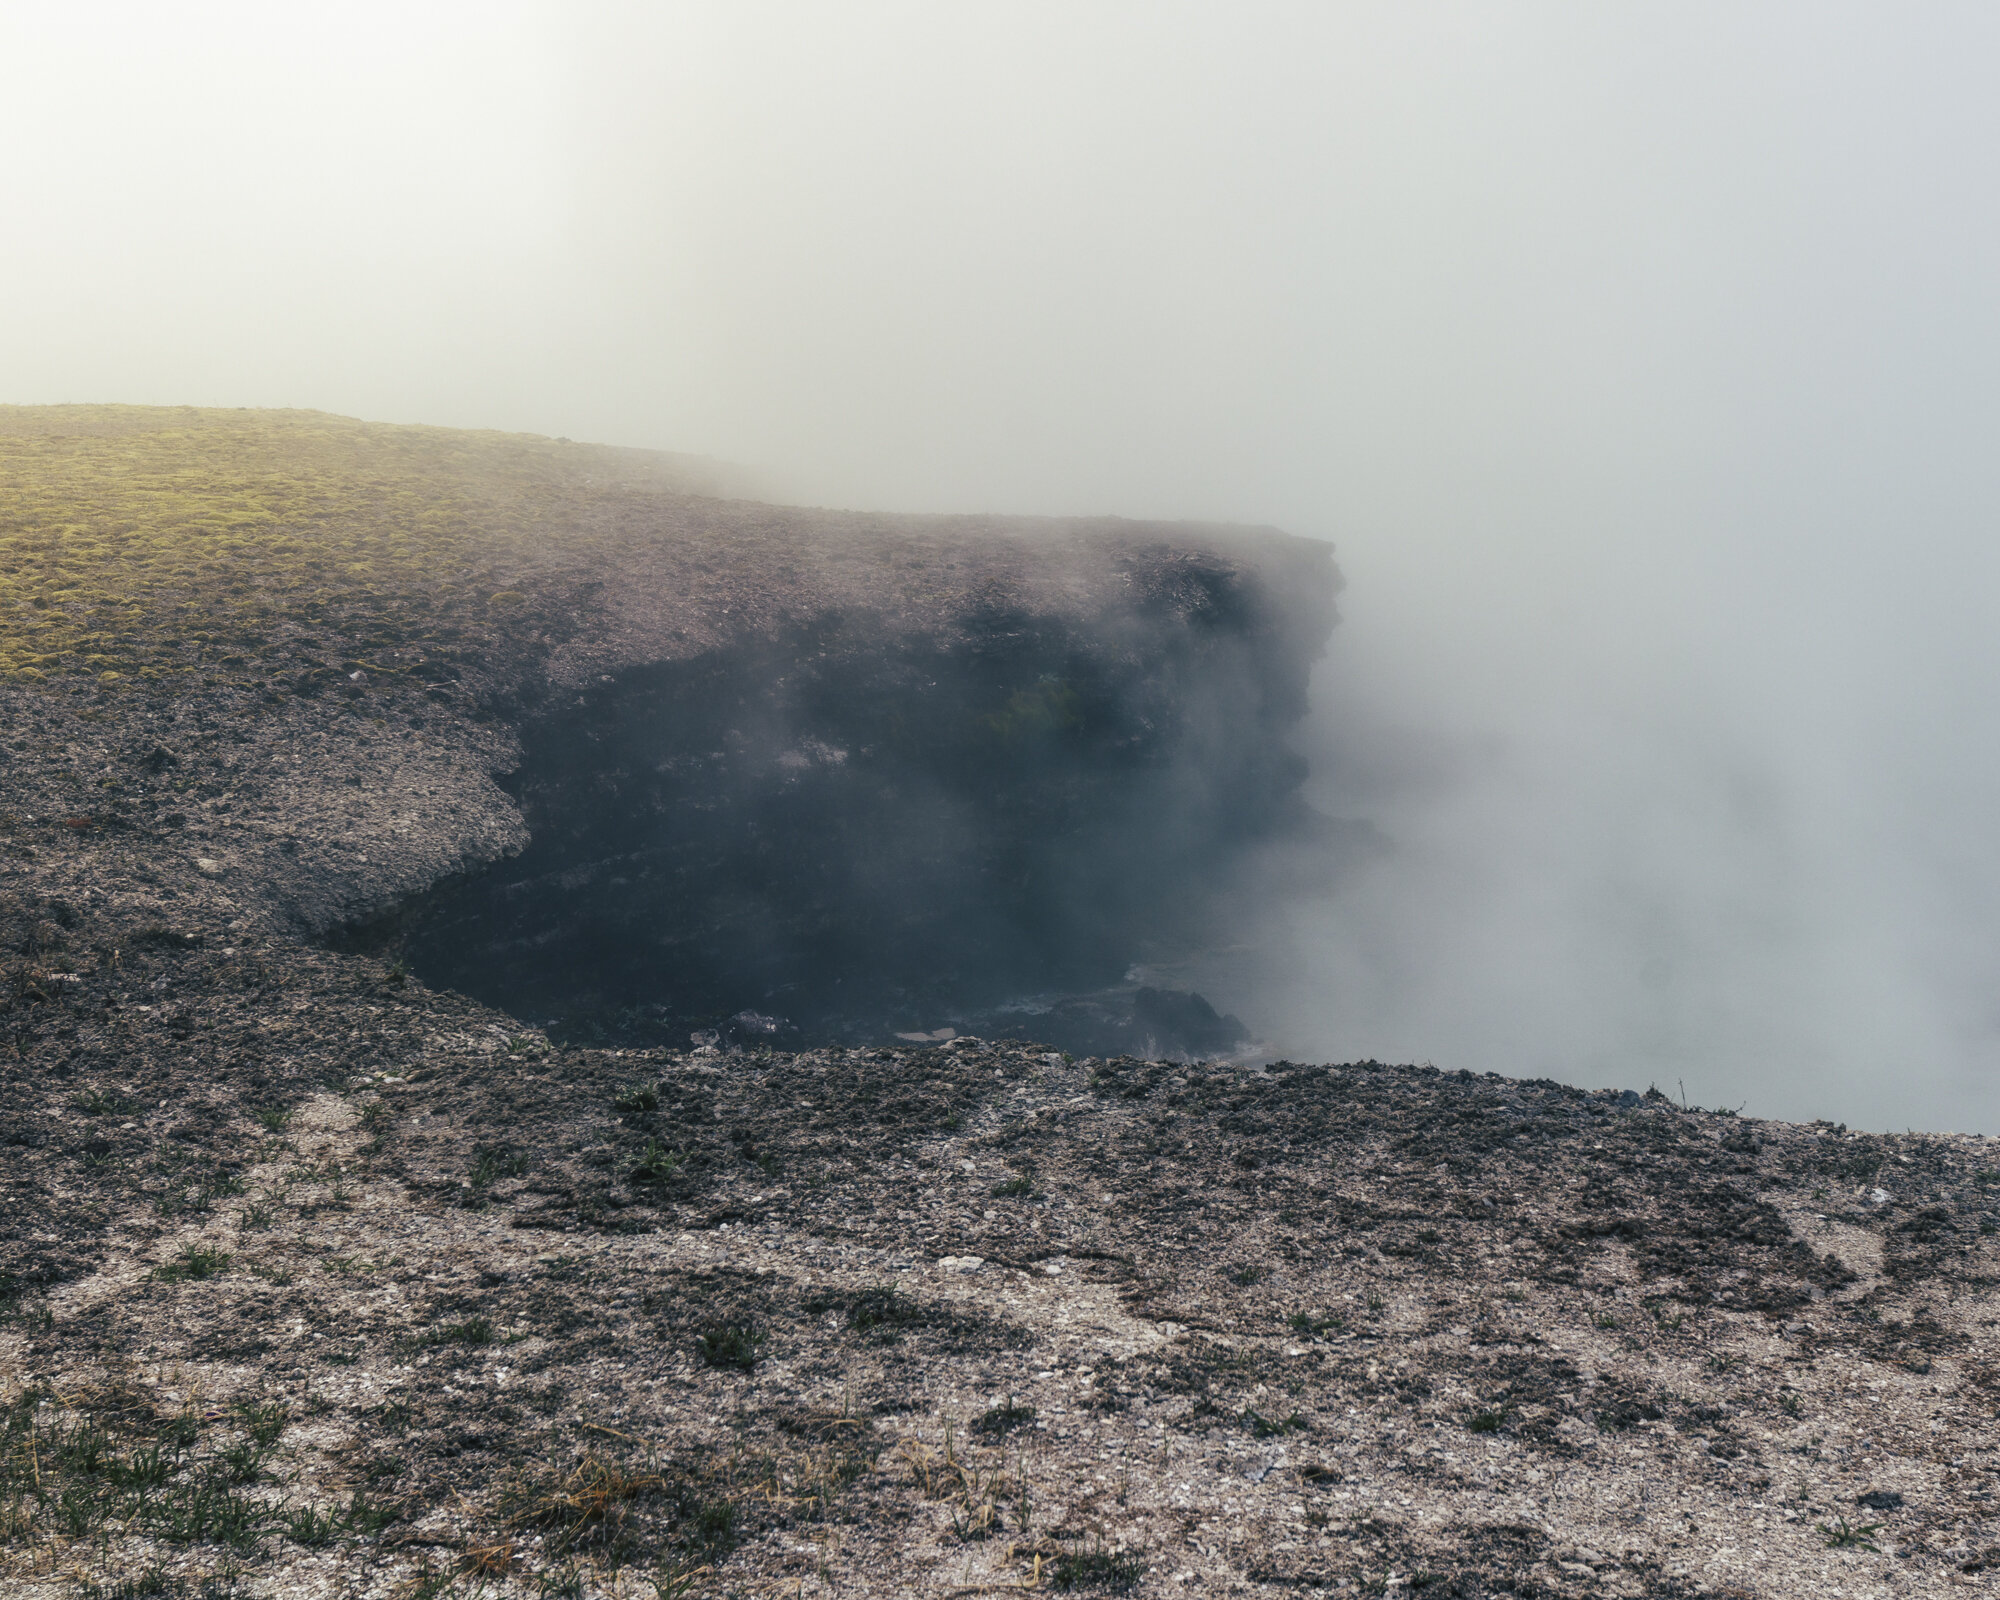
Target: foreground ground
<point>369,1292</point>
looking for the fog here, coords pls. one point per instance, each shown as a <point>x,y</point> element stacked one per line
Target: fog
<point>1642,361</point>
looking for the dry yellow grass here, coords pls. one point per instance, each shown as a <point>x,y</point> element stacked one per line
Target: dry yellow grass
<point>142,541</point>
<point>270,551</point>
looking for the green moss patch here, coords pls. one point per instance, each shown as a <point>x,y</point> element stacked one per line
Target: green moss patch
<point>284,548</point>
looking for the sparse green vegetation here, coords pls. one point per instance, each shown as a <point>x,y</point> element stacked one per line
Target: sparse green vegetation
<point>193,1196</point>
<point>637,1099</point>
<point>376,1118</point>
<point>241,1463</point>
<point>193,1265</point>
<point>147,542</point>
<point>491,1162</point>
<point>147,1467</point>
<point>205,1510</point>
<point>364,1517</point>
<point>730,1345</point>
<point>1095,1567</point>
<point>1263,1427</point>
<point>264,1420</point>
<point>656,1163</point>
<point>312,1528</point>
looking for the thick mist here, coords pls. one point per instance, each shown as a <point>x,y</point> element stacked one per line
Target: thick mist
<point>1642,362</point>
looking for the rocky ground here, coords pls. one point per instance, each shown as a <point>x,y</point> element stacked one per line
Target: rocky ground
<point>318,1281</point>
<point>325,1284</point>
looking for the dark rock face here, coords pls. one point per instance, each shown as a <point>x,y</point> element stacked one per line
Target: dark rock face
<point>846,830</point>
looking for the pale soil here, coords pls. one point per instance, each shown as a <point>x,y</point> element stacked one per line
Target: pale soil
<point>1687,1391</point>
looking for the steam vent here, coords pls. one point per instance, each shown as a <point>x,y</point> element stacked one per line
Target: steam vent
<point>565,1031</point>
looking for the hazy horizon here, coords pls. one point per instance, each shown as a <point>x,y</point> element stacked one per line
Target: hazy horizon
<point>1642,363</point>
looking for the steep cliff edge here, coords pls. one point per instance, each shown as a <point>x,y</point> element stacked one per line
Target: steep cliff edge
<point>846,828</point>
<point>539,722</point>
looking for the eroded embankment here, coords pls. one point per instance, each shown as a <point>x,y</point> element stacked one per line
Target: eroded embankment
<point>847,833</point>
<point>862,772</point>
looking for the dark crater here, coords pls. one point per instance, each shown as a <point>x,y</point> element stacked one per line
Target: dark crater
<point>839,835</point>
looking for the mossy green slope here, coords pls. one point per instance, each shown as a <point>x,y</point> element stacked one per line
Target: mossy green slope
<point>141,542</point>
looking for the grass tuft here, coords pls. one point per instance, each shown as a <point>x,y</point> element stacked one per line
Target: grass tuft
<point>1109,1571</point>
<point>730,1345</point>
<point>313,1529</point>
<point>1263,1427</point>
<point>195,1264</point>
<point>264,1420</point>
<point>637,1099</point>
<point>1842,1536</point>
<point>205,1511</point>
<point>656,1163</point>
<point>496,1161</point>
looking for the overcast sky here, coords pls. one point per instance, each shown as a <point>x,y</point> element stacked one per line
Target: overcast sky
<point>1641,359</point>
